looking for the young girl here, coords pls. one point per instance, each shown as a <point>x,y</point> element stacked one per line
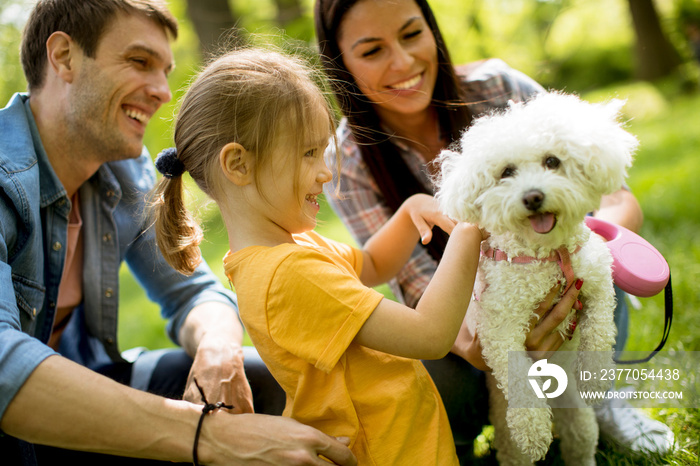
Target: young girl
<point>252,131</point>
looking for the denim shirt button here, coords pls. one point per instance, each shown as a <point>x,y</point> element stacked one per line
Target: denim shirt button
<point>109,292</point>
<point>107,237</point>
<point>110,340</point>
<point>57,246</point>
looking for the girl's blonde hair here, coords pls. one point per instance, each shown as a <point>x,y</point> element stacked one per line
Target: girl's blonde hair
<point>247,96</point>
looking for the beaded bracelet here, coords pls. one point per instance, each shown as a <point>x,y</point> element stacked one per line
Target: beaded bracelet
<point>208,407</point>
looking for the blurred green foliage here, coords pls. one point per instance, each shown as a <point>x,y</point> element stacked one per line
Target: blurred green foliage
<point>574,45</point>
<point>582,46</point>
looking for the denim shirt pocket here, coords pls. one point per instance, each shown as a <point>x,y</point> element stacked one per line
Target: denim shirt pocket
<point>30,300</point>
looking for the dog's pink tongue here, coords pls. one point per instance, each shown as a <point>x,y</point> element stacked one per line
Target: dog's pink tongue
<point>542,223</point>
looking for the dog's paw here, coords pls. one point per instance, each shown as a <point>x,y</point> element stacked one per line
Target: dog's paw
<point>531,430</point>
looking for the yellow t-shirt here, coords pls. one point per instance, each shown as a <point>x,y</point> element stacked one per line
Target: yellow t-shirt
<point>302,305</point>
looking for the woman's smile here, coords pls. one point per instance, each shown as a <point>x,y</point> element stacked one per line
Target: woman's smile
<point>409,84</point>
<point>392,53</point>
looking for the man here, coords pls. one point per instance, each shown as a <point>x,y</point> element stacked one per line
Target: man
<point>73,180</point>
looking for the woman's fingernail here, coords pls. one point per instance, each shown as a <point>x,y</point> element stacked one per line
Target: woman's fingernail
<point>579,283</point>
<point>578,305</point>
<point>572,327</point>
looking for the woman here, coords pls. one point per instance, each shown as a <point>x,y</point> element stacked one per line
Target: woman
<point>403,101</point>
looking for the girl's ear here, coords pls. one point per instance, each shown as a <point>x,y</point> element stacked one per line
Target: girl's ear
<point>236,163</point>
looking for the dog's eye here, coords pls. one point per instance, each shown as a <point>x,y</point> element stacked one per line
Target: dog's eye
<point>552,162</point>
<point>508,172</point>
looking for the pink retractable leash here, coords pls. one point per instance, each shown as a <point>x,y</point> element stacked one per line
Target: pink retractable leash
<point>638,269</point>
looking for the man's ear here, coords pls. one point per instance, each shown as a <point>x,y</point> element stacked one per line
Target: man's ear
<point>236,163</point>
<point>61,55</point>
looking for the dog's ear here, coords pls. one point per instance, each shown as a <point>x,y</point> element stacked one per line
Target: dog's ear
<point>612,151</point>
<point>457,187</point>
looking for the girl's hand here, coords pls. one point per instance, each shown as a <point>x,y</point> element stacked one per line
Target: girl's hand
<point>425,214</point>
<point>388,250</point>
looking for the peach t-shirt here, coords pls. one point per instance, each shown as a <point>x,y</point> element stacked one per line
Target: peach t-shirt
<point>70,290</point>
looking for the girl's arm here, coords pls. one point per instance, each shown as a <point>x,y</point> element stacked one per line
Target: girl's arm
<point>436,325</point>
<point>429,331</point>
<point>387,251</point>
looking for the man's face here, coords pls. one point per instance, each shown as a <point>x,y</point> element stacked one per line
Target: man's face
<point>114,95</point>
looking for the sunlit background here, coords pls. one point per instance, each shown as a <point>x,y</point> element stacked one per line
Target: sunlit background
<point>641,50</point>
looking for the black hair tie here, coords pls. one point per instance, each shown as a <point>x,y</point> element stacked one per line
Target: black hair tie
<point>208,407</point>
<point>168,164</point>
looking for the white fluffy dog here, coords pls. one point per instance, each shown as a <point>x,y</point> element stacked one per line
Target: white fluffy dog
<point>529,175</point>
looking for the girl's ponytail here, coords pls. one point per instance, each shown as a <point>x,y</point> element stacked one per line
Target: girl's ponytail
<point>177,232</point>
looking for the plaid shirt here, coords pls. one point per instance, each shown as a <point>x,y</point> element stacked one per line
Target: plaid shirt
<point>489,85</point>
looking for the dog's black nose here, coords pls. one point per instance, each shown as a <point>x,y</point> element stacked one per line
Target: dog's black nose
<point>533,199</point>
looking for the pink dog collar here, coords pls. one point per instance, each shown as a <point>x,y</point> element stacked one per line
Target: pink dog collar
<point>561,256</point>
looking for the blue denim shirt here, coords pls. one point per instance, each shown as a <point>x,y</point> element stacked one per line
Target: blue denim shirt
<point>34,212</point>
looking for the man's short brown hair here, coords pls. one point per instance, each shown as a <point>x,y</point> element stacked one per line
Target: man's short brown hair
<point>84,21</point>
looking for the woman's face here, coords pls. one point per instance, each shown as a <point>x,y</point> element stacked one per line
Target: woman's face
<point>390,50</point>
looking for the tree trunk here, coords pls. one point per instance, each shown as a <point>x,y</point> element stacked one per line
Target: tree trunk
<point>656,56</point>
<point>288,11</point>
<point>215,25</point>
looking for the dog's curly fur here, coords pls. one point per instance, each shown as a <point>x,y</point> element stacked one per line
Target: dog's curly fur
<point>529,175</point>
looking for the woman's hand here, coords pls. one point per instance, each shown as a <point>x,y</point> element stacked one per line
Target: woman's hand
<point>543,338</point>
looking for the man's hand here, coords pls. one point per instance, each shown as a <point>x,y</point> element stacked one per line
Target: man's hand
<point>218,368</point>
<point>258,439</point>
<point>213,335</point>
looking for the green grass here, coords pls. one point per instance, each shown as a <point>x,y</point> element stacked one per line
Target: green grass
<point>664,179</point>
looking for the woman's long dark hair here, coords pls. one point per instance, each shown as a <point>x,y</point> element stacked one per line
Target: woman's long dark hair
<point>386,165</point>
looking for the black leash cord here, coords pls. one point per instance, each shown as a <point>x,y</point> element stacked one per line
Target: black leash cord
<point>208,407</point>
<point>668,318</point>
